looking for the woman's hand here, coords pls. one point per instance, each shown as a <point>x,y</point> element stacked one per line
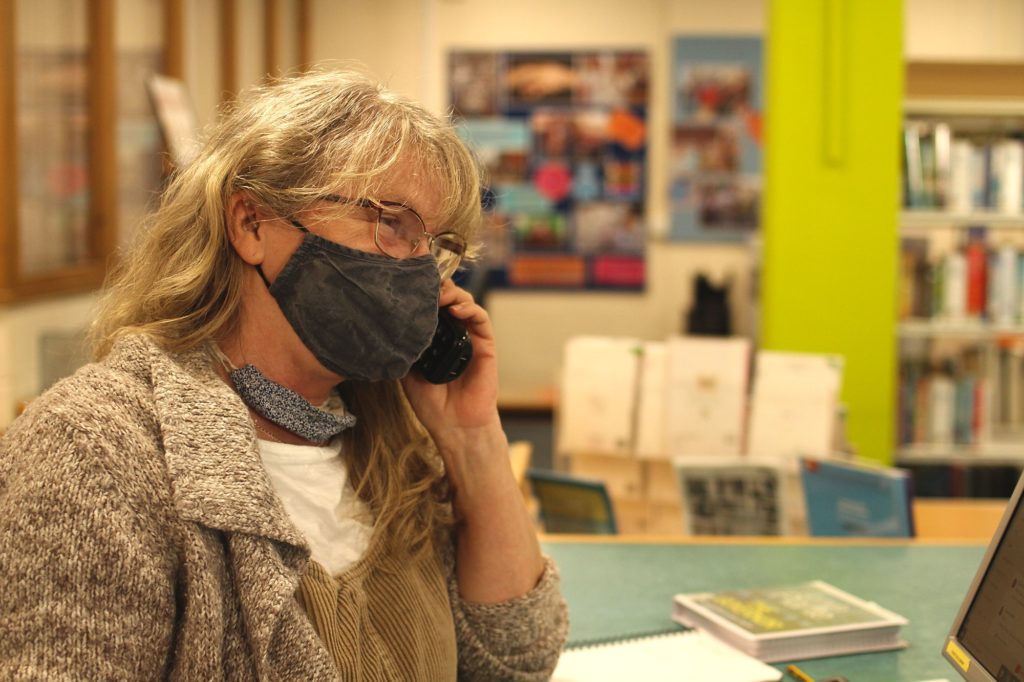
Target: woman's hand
<point>466,408</point>
<point>497,554</point>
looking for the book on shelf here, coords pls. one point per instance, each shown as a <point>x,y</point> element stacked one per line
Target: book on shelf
<point>684,654</point>
<point>1010,396</point>
<point>789,622</point>
<point>961,172</point>
<point>917,279</point>
<point>1008,171</point>
<point>913,174</point>
<point>856,498</point>
<point>980,282</point>
<point>976,274</point>
<point>1004,285</point>
<point>954,285</point>
<point>957,398</point>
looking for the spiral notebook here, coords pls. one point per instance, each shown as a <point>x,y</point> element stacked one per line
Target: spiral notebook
<point>689,655</point>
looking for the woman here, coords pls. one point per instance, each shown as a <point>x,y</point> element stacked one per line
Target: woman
<point>250,482</point>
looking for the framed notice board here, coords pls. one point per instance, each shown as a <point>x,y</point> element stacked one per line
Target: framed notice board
<point>563,138</point>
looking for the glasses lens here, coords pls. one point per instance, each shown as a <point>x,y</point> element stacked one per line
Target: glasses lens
<point>447,249</point>
<point>399,231</point>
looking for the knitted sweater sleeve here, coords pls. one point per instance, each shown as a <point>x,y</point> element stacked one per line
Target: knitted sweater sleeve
<point>81,600</point>
<point>516,640</point>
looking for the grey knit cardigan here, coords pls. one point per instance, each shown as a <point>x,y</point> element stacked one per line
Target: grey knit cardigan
<point>140,538</point>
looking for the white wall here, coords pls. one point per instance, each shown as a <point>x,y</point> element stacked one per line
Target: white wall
<point>964,30</point>
<point>21,327</point>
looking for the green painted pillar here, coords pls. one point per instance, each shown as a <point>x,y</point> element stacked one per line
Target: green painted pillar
<point>831,201</point>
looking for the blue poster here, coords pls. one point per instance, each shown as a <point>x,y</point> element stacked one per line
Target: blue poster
<point>715,160</point>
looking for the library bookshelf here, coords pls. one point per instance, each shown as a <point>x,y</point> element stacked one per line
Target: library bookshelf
<point>960,329</point>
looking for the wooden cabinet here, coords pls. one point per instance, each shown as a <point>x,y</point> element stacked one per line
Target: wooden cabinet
<point>80,157</point>
<point>57,155</point>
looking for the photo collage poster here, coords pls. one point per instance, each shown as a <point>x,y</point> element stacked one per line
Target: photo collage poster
<point>563,139</point>
<point>716,144</point>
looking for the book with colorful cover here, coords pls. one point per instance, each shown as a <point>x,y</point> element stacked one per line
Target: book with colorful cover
<point>856,498</point>
<point>791,622</point>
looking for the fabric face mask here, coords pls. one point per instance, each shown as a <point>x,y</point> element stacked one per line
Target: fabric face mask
<point>364,316</point>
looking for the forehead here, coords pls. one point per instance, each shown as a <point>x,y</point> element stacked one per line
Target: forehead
<point>408,183</point>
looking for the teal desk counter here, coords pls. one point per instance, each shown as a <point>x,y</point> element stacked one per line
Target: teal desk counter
<point>619,586</point>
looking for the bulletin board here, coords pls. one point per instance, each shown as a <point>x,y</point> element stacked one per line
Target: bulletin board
<point>562,137</point>
<point>717,103</point>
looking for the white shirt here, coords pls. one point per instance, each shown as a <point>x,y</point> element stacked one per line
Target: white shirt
<point>313,484</point>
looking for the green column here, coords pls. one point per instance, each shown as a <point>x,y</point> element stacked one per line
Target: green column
<point>829,262</point>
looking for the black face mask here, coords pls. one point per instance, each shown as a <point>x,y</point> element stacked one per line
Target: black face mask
<point>363,315</point>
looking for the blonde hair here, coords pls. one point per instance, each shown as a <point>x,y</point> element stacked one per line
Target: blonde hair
<point>286,145</point>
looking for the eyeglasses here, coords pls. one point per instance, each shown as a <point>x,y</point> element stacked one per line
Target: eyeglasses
<point>398,231</point>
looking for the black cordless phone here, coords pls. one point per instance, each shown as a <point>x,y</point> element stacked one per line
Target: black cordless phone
<point>449,353</point>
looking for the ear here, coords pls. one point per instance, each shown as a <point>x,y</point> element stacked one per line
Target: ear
<point>244,228</point>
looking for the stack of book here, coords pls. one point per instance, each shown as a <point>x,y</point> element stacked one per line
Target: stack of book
<point>807,620</point>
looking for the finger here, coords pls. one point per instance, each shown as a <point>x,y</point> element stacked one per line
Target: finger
<point>474,316</point>
<point>452,294</point>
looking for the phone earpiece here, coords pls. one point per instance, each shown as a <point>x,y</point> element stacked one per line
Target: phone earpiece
<point>449,352</point>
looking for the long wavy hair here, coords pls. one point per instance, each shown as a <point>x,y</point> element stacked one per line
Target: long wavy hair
<point>287,144</point>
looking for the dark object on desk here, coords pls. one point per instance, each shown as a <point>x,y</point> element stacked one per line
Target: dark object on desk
<point>986,640</point>
<point>569,504</point>
<point>709,314</point>
<point>449,352</point>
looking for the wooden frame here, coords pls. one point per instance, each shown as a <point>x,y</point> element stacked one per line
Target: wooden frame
<point>174,53</point>
<point>272,33</point>
<point>16,285</point>
<point>8,165</point>
<point>102,171</point>
<point>271,37</point>
<point>304,29</point>
<point>228,49</point>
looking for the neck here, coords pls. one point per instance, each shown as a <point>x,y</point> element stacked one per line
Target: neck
<point>265,339</point>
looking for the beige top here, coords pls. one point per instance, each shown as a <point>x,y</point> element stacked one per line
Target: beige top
<point>383,620</point>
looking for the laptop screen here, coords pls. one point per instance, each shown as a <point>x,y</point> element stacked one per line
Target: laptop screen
<point>987,639</point>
